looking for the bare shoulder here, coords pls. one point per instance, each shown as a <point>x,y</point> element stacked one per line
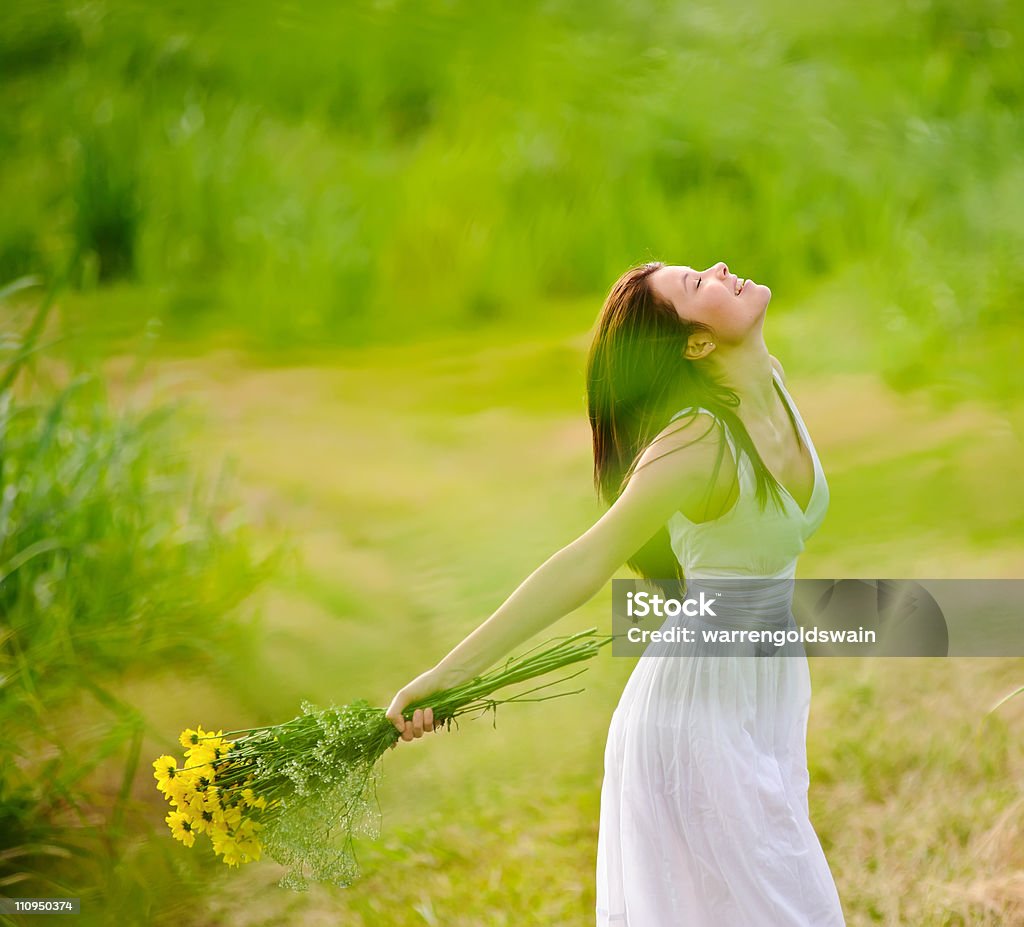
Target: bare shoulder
<point>777,366</point>
<point>695,429</point>
<point>671,475</point>
<point>691,459</point>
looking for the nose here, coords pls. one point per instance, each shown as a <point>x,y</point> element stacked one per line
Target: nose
<point>721,269</point>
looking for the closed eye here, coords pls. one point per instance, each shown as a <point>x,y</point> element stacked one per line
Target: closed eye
<point>697,287</point>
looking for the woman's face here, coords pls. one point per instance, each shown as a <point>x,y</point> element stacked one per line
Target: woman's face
<point>709,296</point>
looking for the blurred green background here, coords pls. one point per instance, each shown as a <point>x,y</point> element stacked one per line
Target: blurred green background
<point>296,401</point>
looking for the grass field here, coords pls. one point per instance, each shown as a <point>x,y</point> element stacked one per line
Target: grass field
<point>367,240</point>
<point>381,172</point>
<point>421,484</point>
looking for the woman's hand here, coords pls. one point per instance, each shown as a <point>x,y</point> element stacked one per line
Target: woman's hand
<point>422,686</point>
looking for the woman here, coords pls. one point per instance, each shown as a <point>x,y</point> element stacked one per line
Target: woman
<point>709,472</point>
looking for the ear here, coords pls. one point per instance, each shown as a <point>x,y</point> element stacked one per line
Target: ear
<point>698,346</point>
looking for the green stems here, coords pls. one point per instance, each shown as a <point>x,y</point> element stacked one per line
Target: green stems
<point>472,695</point>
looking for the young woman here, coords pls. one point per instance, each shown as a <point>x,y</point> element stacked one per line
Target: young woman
<point>709,472</point>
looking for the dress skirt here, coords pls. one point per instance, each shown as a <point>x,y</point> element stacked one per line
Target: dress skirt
<point>704,815</point>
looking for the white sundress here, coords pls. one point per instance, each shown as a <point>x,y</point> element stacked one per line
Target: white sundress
<point>704,816</point>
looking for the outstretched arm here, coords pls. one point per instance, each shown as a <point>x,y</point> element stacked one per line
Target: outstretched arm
<point>671,473</point>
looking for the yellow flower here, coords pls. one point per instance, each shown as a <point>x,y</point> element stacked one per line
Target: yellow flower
<point>202,756</point>
<point>165,771</point>
<point>214,739</point>
<point>181,827</point>
<point>219,822</point>
<point>252,801</point>
<point>203,821</point>
<point>192,803</point>
<point>212,800</point>
<point>181,788</point>
<point>200,780</point>
<point>190,737</point>
<point>207,740</point>
<point>232,816</point>
<point>250,850</point>
<point>246,842</point>
<point>224,845</point>
<point>216,828</point>
<point>249,847</point>
<point>247,830</point>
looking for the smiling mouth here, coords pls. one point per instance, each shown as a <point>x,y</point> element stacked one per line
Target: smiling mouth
<point>740,284</point>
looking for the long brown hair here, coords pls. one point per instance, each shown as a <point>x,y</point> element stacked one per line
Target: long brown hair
<point>637,378</point>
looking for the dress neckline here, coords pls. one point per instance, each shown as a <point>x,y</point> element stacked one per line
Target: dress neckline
<point>744,464</point>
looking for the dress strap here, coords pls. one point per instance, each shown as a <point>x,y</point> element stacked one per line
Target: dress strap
<point>725,428</point>
<point>741,460</point>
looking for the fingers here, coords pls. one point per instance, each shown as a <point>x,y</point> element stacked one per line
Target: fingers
<point>422,722</point>
<point>414,728</point>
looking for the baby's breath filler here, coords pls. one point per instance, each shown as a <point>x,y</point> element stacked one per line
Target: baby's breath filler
<point>302,790</point>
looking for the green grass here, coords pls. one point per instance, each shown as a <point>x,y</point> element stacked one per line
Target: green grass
<point>421,485</point>
<point>115,553</point>
<point>356,173</point>
<point>368,240</point>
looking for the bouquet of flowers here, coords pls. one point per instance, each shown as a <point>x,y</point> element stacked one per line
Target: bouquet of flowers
<point>300,791</point>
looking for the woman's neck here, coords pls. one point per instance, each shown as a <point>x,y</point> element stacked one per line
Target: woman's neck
<point>747,369</point>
